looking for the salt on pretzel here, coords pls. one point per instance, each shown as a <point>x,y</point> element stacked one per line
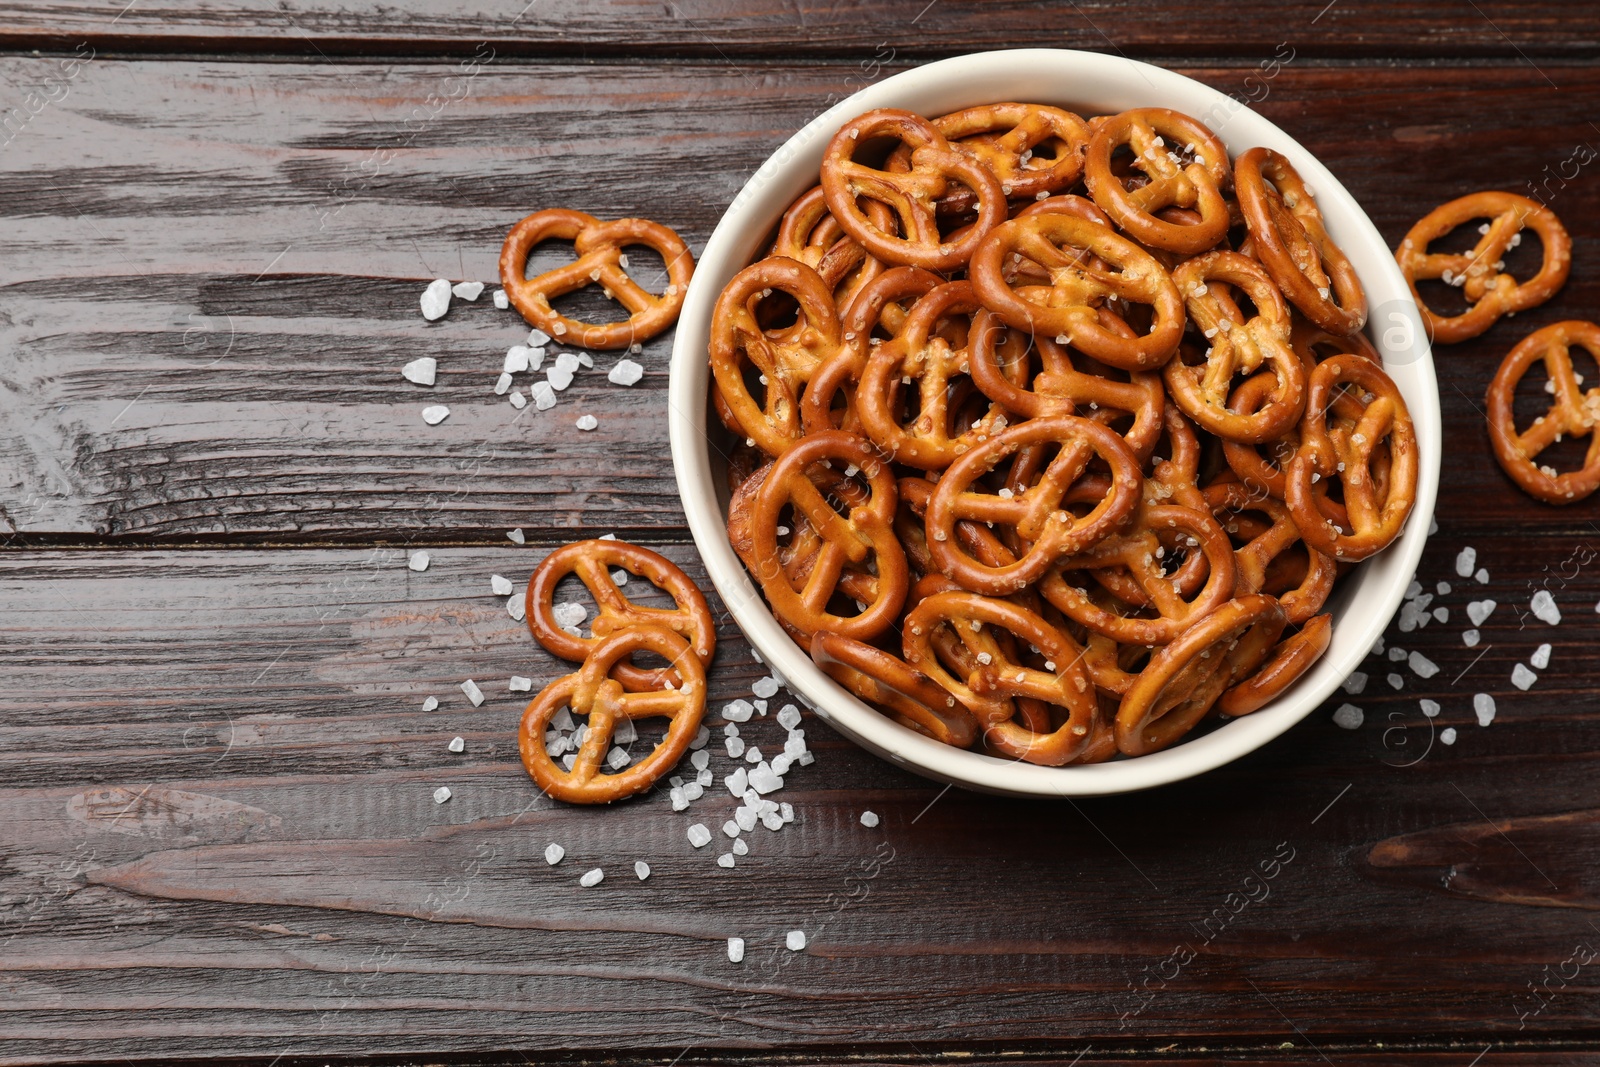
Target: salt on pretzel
<point>599,247</point>
<point>1573,412</point>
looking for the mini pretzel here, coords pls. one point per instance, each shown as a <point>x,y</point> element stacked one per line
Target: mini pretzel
<point>1005,138</point>
<point>1253,558</point>
<point>1287,662</point>
<point>1138,551</point>
<point>1293,245</point>
<point>592,561</point>
<point>1481,273</point>
<point>599,248</point>
<point>1063,683</point>
<point>1238,345</point>
<point>785,360</point>
<point>922,357</point>
<point>809,234</point>
<point>867,531</point>
<point>606,701</point>
<point>1087,265</point>
<point>1347,452</point>
<point>1037,510</point>
<point>934,165</point>
<point>1574,411</point>
<point>874,675</point>
<point>1184,679</point>
<point>1172,183</point>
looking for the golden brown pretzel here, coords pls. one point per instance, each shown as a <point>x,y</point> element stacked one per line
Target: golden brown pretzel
<point>1377,511</point>
<point>1253,558</point>
<point>809,234</point>
<point>1184,679</point>
<point>1292,244</point>
<point>1157,136</point>
<point>1291,658</point>
<point>1238,345</point>
<point>592,562</point>
<point>599,248</point>
<point>785,360</point>
<point>910,194</point>
<point>1087,265</point>
<point>866,533</point>
<point>1037,510</point>
<point>1574,412</point>
<point>995,678</point>
<point>606,701</point>
<point>1481,273</point>
<point>874,675</point>
<point>1006,138</point>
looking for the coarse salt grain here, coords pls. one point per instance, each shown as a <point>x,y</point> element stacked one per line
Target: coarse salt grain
<point>457,744</point>
<point>592,878</point>
<point>436,299</point>
<point>1466,559</point>
<point>436,414</point>
<point>765,688</point>
<point>537,338</point>
<point>735,747</point>
<point>502,384</point>
<point>419,561</point>
<point>1422,666</point>
<point>587,422</point>
<point>569,613</point>
<point>738,711</point>
<point>1355,683</point>
<point>424,371</point>
<point>739,847</point>
<point>441,794</point>
<point>1348,716</point>
<point>1479,610</point>
<point>1522,677</point>
<point>501,300</point>
<point>516,535</point>
<point>642,869</point>
<point>501,586</point>
<point>1430,708</point>
<point>516,360</point>
<point>869,819</point>
<point>1544,607</point>
<point>467,290</point>
<point>1395,681</point>
<point>519,684</point>
<point>626,372</point>
<point>788,716</point>
<point>735,950</point>
<point>1483,706</point>
<point>474,694</point>
<point>725,860</point>
<point>699,836</point>
<point>544,397</point>
<point>1482,577</point>
<point>517,608</point>
<point>1448,735</point>
<point>430,703</point>
<point>1470,638</point>
<point>518,401</point>
<point>795,940</point>
<point>1540,658</point>
<point>553,853</point>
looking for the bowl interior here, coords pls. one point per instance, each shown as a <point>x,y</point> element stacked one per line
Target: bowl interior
<point>1088,83</point>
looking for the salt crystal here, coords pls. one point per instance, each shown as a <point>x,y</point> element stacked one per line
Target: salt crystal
<point>1544,607</point>
<point>701,737</point>
<point>1396,655</point>
<point>1422,666</point>
<point>500,586</point>
<point>585,360</point>
<point>738,781</point>
<point>788,716</point>
<point>1483,705</point>
<point>806,759</point>
<point>1395,681</point>
<point>516,535</point>
<point>795,940</point>
<point>781,764</point>
<point>680,799</point>
<point>738,710</point>
<point>1482,577</point>
<point>726,860</point>
<point>699,836</point>
<point>1470,638</point>
<point>764,780</point>
<point>467,290</point>
<point>700,759</point>
<point>1430,708</point>
<point>436,299</point>
<point>753,754</point>
<point>626,733</point>
<point>1348,716</point>
<point>735,949</point>
<point>740,847</point>
<point>517,608</point>
<point>626,372</point>
<point>1522,677</point>
<point>735,747</point>
<point>474,694</point>
<point>592,878</point>
<point>419,561</point>
<point>730,730</point>
<point>559,377</point>
<point>430,703</point>
<point>424,371</point>
<point>869,819</point>
<point>436,414</point>
<point>1480,610</point>
<point>619,577</point>
<point>1443,588</point>
<point>569,613</point>
<point>516,360</point>
<point>518,401</point>
<point>568,761</point>
<point>730,828</point>
<point>786,812</point>
<point>441,794</point>
<point>544,397</point>
<point>765,688</point>
<point>501,301</point>
<point>1413,590</point>
<point>1540,658</point>
<point>1448,735</point>
<point>502,384</point>
<point>587,422</point>
<point>694,790</point>
<point>761,707</point>
<point>704,778</point>
<point>537,338</point>
<point>1466,559</point>
<point>745,817</point>
<point>794,746</point>
<point>1377,647</point>
<point>1442,614</point>
<point>1355,683</point>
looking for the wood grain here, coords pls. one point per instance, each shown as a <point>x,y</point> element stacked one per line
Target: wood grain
<point>731,30</point>
<point>220,839</point>
<point>213,270</point>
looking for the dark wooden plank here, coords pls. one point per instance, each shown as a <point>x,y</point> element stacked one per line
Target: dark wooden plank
<point>719,29</point>
<point>220,840</point>
<point>207,299</point>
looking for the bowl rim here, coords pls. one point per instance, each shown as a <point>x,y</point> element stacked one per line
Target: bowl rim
<point>1368,598</point>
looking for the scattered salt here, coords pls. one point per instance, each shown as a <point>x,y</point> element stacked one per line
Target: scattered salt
<point>1482,577</point>
<point>436,299</point>
<point>569,613</point>
<point>419,561</point>
<point>735,747</point>
<point>1466,559</point>
<point>1422,666</point>
<point>559,377</point>
<point>765,688</point>
<point>474,694</point>
<point>544,397</point>
<point>795,940</point>
<point>726,860</point>
<point>1522,677</point>
<point>516,535</point>
<point>764,779</point>
<point>735,949</point>
<point>517,608</point>
<point>1348,716</point>
<point>424,371</point>
<point>738,711</point>
<point>516,360</point>
<point>1395,681</point>
<point>869,819</point>
<point>699,836</point>
<point>502,384</point>
<point>626,372</point>
<point>537,338</point>
<point>642,869</point>
<point>1448,735</point>
<point>1483,705</point>
<point>592,878</point>
<point>1479,610</point>
<point>1430,708</point>
<point>788,716</point>
<point>587,422</point>
<point>501,586</point>
<point>739,847</point>
<point>519,684</point>
<point>518,401</point>
<point>1355,683</point>
<point>457,744</point>
<point>1540,658</point>
<point>441,794</point>
<point>1470,638</point>
<point>501,301</point>
<point>430,703</point>
<point>1544,607</point>
<point>436,414</point>
<point>467,290</point>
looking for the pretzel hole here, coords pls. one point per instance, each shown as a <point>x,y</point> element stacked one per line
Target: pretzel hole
<point>776,311</point>
<point>1525,260</point>
<point>1442,298</point>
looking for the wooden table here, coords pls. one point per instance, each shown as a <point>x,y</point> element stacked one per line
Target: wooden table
<point>218,836</point>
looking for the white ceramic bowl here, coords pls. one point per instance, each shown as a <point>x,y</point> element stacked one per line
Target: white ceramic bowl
<point>1089,84</point>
